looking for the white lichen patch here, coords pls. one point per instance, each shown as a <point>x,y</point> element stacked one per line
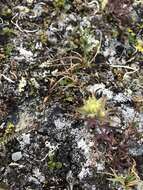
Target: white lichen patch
<point>115,121</point>
<point>121,98</point>
<point>84,173</point>
<point>128,113</point>
<point>34,83</point>
<point>22,84</point>
<point>25,122</point>
<point>62,123</point>
<point>100,89</point>
<point>28,55</point>
<point>100,166</point>
<point>25,140</point>
<point>38,10</point>
<point>52,148</point>
<point>82,144</point>
<point>85,143</point>
<point>38,175</point>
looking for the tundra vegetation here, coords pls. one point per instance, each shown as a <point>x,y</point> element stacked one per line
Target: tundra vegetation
<point>71,94</point>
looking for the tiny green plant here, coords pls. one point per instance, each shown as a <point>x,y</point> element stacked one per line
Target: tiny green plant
<point>139,45</point>
<point>9,132</point>
<point>88,44</point>
<point>127,181</point>
<point>43,37</point>
<point>52,164</point>
<point>94,108</point>
<point>59,3</point>
<point>10,128</point>
<point>6,12</point>
<point>8,48</point>
<point>131,36</point>
<point>8,32</point>
<point>103,4</point>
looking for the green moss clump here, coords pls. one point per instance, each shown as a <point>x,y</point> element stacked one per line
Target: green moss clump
<point>8,48</point>
<point>8,134</point>
<point>52,165</point>
<point>59,3</point>
<point>6,12</point>
<point>8,32</point>
<point>43,38</point>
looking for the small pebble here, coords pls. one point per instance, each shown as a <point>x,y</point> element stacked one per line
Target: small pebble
<point>16,156</point>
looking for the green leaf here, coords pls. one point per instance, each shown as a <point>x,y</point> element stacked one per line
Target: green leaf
<point>65,82</point>
<point>59,165</point>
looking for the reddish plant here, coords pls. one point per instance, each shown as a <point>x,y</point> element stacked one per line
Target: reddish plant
<point>115,140</point>
<point>120,10</point>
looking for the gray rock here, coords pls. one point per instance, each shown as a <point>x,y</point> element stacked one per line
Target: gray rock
<point>34,180</point>
<point>26,138</point>
<point>16,156</point>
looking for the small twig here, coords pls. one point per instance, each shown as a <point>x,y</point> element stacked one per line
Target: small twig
<point>78,54</point>
<point>122,66</point>
<point>122,53</point>
<point>1,21</point>
<point>140,86</point>
<point>98,48</point>
<point>71,180</point>
<point>54,85</point>
<point>91,5</point>
<point>68,57</point>
<point>64,77</point>
<point>72,66</point>
<point>13,75</point>
<point>16,24</point>
<point>8,79</point>
<point>132,58</point>
<point>129,73</point>
<point>139,33</point>
<point>30,31</point>
<point>58,65</point>
<point>126,67</point>
<point>19,28</point>
<point>44,157</point>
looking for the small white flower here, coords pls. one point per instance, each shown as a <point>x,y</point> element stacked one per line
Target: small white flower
<point>22,84</point>
<point>30,1</point>
<point>26,54</point>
